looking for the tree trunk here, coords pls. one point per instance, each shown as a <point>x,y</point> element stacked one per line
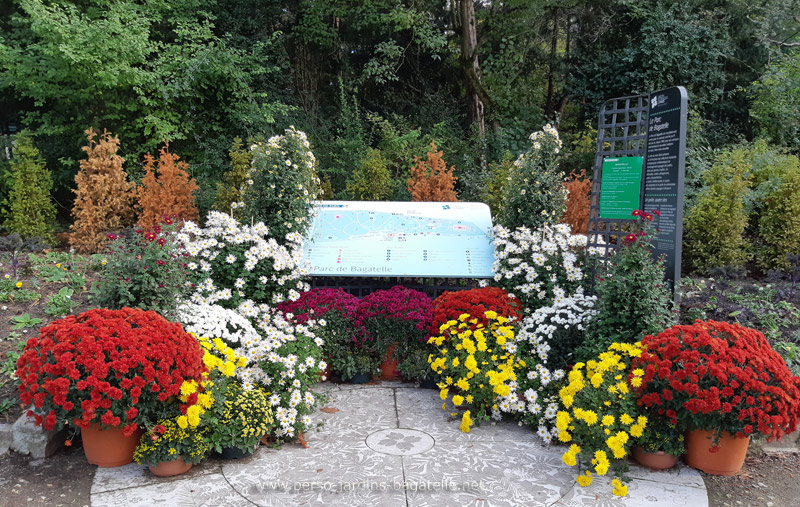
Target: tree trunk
<point>550,104</point>
<point>478,100</point>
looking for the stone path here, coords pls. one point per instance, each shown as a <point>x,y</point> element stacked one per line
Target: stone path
<point>391,445</point>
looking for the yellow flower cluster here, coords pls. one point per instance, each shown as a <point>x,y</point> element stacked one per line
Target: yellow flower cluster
<point>619,488</point>
<point>476,363</point>
<point>599,405</point>
<point>220,360</point>
<point>249,411</point>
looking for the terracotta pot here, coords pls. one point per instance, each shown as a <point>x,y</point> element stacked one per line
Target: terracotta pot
<point>389,365</point>
<point>108,447</point>
<point>654,460</point>
<point>727,461</point>
<point>170,468</point>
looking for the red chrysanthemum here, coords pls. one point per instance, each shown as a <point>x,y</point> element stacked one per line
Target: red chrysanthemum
<point>764,397</point>
<point>101,366</point>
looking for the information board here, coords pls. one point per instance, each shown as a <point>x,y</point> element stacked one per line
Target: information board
<point>664,172</point>
<point>620,193</point>
<point>421,239</point>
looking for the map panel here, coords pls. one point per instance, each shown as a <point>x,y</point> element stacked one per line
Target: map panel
<point>377,238</point>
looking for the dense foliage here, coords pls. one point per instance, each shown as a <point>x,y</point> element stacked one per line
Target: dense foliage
<point>383,75</point>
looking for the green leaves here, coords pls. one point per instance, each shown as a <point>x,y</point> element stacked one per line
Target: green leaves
<point>24,321</point>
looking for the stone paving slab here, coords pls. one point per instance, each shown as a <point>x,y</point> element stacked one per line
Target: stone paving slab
<point>392,445</point>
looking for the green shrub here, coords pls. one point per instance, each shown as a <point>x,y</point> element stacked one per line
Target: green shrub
<point>281,185</point>
<point>715,225</point>
<point>143,270</point>
<point>229,190</point>
<point>498,177</point>
<point>779,224</point>
<point>633,299</point>
<point>31,210</point>
<point>534,195</point>
<point>371,181</point>
<point>774,206</point>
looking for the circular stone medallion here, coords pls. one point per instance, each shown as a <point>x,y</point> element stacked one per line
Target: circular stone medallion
<point>400,442</point>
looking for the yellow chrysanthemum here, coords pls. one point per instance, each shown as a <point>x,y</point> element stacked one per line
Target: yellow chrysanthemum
<point>608,420</point>
<point>619,488</point>
<point>183,422</point>
<point>562,420</point>
<point>466,422</point>
<point>585,479</point>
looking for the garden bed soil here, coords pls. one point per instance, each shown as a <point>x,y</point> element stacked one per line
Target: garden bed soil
<point>771,480</point>
<point>63,479</point>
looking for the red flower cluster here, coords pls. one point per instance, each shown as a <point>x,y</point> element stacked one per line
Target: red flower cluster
<point>475,302</point>
<point>116,367</point>
<point>315,303</point>
<point>716,375</point>
<point>400,312</point>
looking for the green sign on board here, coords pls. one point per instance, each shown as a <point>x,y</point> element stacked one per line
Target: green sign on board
<point>621,186</point>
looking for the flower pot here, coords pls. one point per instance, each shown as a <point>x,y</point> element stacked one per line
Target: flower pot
<point>727,460</point>
<point>361,378</point>
<point>389,365</point>
<point>654,460</point>
<point>108,447</point>
<point>170,468</point>
<point>234,453</point>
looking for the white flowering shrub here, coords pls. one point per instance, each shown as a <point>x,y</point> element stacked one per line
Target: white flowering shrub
<point>281,184</point>
<point>235,264</point>
<point>283,358</point>
<point>539,267</point>
<point>542,342</point>
<point>534,194</point>
<point>286,360</point>
<point>214,321</point>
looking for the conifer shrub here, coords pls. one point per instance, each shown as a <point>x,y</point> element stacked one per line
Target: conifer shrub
<point>282,183</point>
<point>431,180</point>
<point>716,224</point>
<point>167,190</point>
<point>371,181</point>
<point>103,198</point>
<point>229,191</point>
<point>533,195</point>
<point>31,210</point>
<point>579,190</point>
